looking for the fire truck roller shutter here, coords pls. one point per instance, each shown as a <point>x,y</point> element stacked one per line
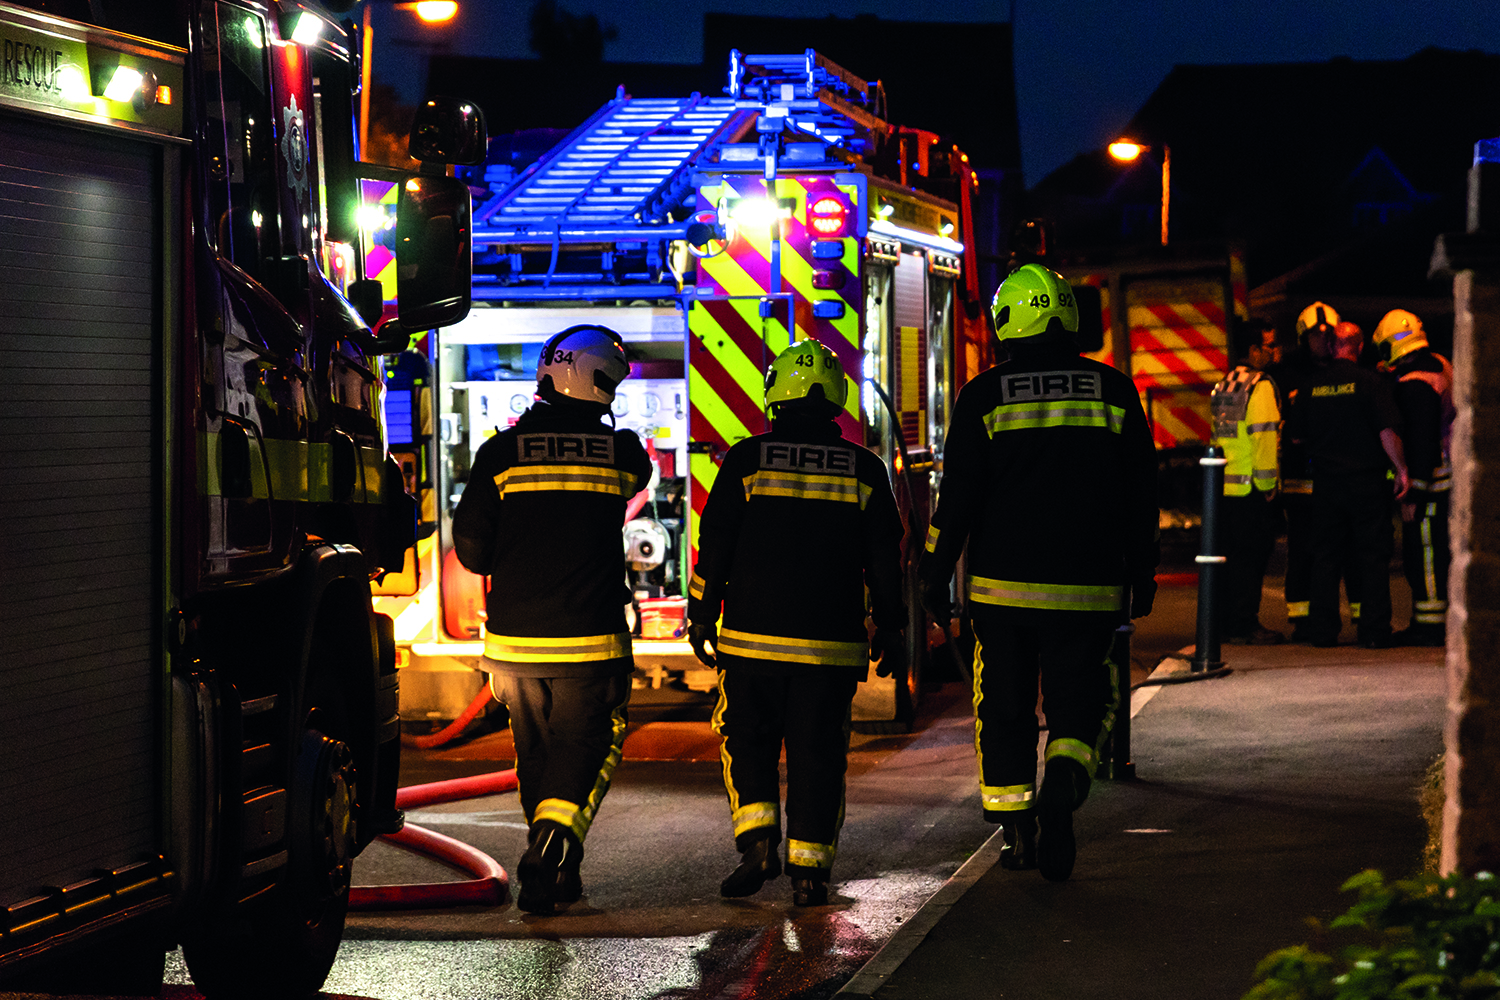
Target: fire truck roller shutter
<point>80,238</point>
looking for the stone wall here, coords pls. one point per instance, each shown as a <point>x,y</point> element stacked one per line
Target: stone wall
<point>1471,821</point>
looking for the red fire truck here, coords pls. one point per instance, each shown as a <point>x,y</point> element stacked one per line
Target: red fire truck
<point>198,705</point>
<point>710,232</point>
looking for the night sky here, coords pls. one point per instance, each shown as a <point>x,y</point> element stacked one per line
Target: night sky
<point>1082,67</point>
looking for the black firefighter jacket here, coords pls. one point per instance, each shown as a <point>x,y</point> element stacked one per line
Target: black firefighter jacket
<point>1049,474</point>
<point>799,522</point>
<point>541,516</point>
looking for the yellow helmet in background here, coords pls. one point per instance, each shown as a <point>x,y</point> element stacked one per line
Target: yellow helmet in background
<point>1398,334</point>
<point>806,371</point>
<point>1026,303</point>
<point>1318,316</point>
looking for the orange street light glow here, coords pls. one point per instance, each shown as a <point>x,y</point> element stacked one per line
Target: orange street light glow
<point>436,11</point>
<point>1125,150</point>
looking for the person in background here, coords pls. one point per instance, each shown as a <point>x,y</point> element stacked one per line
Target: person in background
<point>1247,426</point>
<point>1347,421</point>
<point>1424,395</point>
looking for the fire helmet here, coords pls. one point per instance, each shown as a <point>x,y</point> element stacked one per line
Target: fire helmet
<point>1319,316</point>
<point>583,364</point>
<point>806,372</point>
<point>1029,300</point>
<point>1398,334</point>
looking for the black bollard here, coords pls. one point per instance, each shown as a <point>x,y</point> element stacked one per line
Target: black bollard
<point>1210,564</point>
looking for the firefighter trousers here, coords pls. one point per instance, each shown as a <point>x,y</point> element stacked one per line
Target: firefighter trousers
<point>568,733</point>
<point>1424,558</point>
<point>1299,561</point>
<point>1069,652</point>
<point>1351,521</point>
<point>808,711</point>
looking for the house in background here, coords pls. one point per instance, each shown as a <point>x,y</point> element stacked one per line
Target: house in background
<point>1333,178</point>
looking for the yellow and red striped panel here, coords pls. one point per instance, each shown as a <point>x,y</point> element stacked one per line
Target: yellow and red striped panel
<point>731,343</point>
<point>1179,352</point>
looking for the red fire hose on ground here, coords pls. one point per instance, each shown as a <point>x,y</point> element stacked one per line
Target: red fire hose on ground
<point>490,884</point>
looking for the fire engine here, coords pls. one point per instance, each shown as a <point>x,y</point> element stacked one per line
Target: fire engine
<point>198,705</point>
<point>710,232</point>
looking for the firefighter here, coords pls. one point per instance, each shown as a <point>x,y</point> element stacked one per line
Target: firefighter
<point>1424,395</point>
<point>1247,425</point>
<point>799,524</point>
<point>541,517</point>
<point>1049,477</point>
<point>1292,377</point>
<point>1346,420</point>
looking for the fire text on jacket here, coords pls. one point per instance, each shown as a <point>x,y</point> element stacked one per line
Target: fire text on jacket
<point>594,449</point>
<point>1030,387</point>
<point>803,457</point>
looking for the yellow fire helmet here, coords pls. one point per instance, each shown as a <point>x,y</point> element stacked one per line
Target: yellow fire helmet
<point>1029,300</point>
<point>1398,334</point>
<point>806,371</point>
<point>1318,316</point>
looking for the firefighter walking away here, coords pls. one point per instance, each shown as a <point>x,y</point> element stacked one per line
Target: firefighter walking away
<point>799,524</point>
<point>1049,477</point>
<point>541,518</point>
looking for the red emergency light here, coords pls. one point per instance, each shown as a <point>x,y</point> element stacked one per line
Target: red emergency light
<point>828,216</point>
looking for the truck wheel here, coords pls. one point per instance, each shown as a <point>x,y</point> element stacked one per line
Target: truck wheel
<point>286,947</point>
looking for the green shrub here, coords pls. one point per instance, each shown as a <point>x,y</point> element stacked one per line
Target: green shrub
<point>1425,937</point>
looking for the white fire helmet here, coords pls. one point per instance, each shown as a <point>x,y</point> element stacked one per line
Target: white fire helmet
<point>583,363</point>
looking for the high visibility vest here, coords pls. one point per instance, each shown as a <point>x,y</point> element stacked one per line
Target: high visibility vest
<point>1246,420</point>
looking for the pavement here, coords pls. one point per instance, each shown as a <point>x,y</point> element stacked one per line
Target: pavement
<point>1256,795</point>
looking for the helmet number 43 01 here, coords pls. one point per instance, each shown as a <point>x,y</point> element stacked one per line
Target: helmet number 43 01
<point>811,361</point>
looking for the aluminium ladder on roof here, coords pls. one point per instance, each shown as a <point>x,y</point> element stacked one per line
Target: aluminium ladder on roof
<point>625,168</point>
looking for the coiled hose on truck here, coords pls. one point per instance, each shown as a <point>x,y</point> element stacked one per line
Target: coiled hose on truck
<point>490,884</point>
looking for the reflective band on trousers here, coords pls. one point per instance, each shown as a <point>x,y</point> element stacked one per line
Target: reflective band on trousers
<point>1298,609</point>
<point>1052,596</point>
<point>577,478</point>
<point>808,854</point>
<point>1076,749</point>
<point>932,537</point>
<point>803,486</point>
<point>756,815</point>
<point>775,647</point>
<point>577,648</point>
<point>1007,798</point>
<point>563,813</point>
<point>1060,413</point>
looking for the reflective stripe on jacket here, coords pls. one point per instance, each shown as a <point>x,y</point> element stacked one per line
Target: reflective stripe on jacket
<point>1247,421</point>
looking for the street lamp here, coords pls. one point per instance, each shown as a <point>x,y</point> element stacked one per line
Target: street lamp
<point>429,12</point>
<point>1127,151</point>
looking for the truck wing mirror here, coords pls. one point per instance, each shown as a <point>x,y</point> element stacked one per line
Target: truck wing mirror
<point>1090,304</point>
<point>448,130</point>
<point>434,264</point>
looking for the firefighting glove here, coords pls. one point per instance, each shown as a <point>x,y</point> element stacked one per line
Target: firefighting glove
<point>701,637</point>
<point>889,647</point>
<point>1142,596</point>
<point>937,602</point>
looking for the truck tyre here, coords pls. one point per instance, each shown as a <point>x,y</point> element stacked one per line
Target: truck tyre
<point>286,947</point>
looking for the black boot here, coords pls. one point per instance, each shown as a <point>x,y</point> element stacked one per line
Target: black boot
<point>550,881</point>
<point>1065,784</point>
<point>759,864</point>
<point>809,892</point>
<point>1019,833</point>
